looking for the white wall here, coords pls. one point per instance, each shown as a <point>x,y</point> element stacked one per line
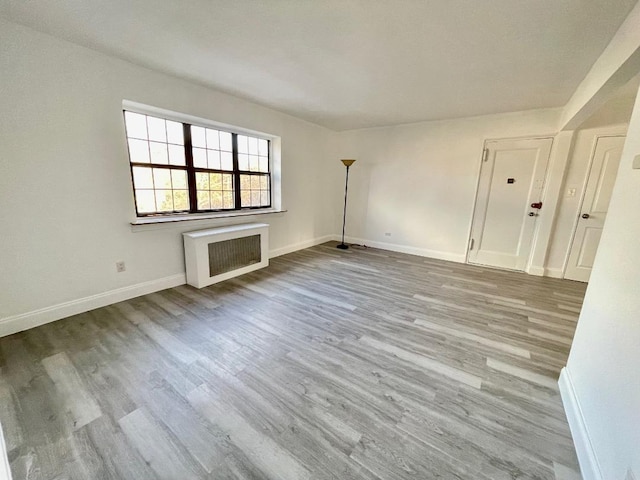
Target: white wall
<point>65,188</point>
<point>616,66</point>
<point>604,363</point>
<point>418,181</point>
<point>615,112</point>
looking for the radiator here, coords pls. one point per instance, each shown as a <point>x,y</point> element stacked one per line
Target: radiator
<point>218,254</point>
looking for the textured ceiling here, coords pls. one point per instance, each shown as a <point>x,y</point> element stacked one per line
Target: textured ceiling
<point>351,63</point>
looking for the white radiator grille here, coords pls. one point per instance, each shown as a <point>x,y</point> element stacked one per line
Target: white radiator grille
<point>220,253</point>
<point>233,254</point>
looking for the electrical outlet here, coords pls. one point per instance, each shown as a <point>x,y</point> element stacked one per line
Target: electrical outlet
<point>387,234</point>
<point>571,192</point>
<point>120,267</point>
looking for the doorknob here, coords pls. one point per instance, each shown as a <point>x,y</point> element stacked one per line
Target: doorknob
<point>585,215</point>
<point>533,214</point>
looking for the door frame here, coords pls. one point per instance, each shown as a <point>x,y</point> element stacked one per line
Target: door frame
<point>585,182</point>
<point>543,195</point>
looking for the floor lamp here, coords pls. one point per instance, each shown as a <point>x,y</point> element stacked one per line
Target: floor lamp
<point>347,163</point>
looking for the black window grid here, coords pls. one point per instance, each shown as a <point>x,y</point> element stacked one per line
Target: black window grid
<point>191,171</point>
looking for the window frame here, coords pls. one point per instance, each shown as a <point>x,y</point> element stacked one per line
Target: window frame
<point>187,122</point>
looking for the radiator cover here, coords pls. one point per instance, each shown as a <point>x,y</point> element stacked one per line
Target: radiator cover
<point>218,254</point>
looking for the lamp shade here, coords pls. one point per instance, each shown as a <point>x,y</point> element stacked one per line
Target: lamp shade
<point>347,161</point>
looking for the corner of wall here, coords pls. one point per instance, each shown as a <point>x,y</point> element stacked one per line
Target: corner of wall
<point>5,470</point>
<point>589,465</point>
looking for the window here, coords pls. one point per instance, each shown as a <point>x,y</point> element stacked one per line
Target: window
<point>180,167</point>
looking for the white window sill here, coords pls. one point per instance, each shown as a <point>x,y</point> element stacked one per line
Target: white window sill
<point>148,223</point>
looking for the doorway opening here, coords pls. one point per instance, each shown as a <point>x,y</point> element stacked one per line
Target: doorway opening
<point>590,180</point>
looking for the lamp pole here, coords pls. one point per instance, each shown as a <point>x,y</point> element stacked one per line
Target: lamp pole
<point>347,163</point>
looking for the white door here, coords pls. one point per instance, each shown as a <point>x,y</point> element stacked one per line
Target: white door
<point>511,179</point>
<point>602,176</point>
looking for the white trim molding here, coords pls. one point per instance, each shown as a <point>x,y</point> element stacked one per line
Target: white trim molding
<point>535,270</point>
<point>553,272</point>
<point>5,470</point>
<point>394,247</point>
<point>545,272</point>
<point>35,318</point>
<point>194,217</point>
<point>301,245</point>
<point>24,321</point>
<point>589,466</point>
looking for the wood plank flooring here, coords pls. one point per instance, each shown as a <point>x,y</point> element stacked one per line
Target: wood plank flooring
<point>329,364</point>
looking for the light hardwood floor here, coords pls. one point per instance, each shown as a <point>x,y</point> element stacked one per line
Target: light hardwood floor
<point>358,364</point>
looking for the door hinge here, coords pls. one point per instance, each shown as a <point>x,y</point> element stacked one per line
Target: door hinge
<point>471,244</point>
<point>485,154</point>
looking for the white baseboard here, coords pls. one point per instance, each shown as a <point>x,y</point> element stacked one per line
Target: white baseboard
<point>545,272</point>
<point>301,245</point>
<point>537,271</point>
<point>589,466</point>
<point>25,321</point>
<point>553,272</point>
<point>5,470</point>
<point>35,318</point>
<point>394,247</point>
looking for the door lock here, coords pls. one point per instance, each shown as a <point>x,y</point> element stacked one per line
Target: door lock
<point>585,215</point>
<point>537,205</point>
<point>533,214</point>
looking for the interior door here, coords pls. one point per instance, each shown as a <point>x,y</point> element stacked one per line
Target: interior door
<point>511,179</point>
<point>602,176</point>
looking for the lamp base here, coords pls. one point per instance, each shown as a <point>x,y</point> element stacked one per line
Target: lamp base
<point>342,246</point>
